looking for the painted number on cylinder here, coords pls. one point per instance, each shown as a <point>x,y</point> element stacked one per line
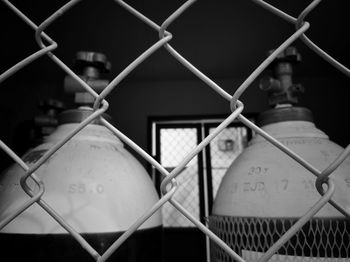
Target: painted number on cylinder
<point>253,186</point>
<point>257,170</point>
<point>284,184</point>
<point>347,181</point>
<point>81,188</point>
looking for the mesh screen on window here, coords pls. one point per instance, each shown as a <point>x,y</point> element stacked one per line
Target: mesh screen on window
<point>200,179</point>
<point>175,144</point>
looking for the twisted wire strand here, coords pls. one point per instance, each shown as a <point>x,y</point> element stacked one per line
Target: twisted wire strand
<point>86,121</point>
<point>163,34</point>
<point>302,161</point>
<point>173,17</point>
<point>24,206</point>
<point>39,34</point>
<point>313,46</point>
<point>304,38</point>
<point>174,173</point>
<point>15,68</point>
<point>300,23</point>
<point>48,21</point>
<point>266,62</point>
<point>171,50</point>
<point>20,14</point>
<point>325,176</point>
<point>206,231</point>
<point>47,50</point>
<point>29,171</point>
<point>129,69</point>
<point>138,15</point>
<point>334,165</point>
<point>185,62</point>
<point>33,199</point>
<point>64,140</point>
<point>165,198</point>
<point>300,223</point>
<point>83,243</point>
<point>37,199</point>
<point>135,147</point>
<point>60,220</point>
<point>200,147</point>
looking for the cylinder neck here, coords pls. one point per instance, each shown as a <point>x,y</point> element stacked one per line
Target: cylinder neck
<point>78,115</point>
<point>287,113</point>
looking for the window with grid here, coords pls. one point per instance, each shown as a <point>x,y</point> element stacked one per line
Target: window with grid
<point>172,140</point>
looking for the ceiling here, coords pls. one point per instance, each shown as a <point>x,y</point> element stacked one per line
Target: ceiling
<point>223,39</point>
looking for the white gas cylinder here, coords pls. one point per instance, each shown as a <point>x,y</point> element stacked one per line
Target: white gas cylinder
<point>265,191</point>
<point>98,188</point>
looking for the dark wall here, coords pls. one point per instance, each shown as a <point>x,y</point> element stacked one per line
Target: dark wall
<point>132,103</point>
<point>226,40</point>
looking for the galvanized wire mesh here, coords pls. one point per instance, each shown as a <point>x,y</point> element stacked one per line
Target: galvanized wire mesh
<point>101,105</point>
<point>318,238</point>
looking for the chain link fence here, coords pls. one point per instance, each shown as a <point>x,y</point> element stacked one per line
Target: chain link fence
<point>171,181</point>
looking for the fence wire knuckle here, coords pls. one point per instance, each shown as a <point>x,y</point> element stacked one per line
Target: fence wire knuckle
<point>169,184</point>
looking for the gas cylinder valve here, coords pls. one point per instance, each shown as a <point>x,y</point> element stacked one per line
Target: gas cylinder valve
<point>47,121</point>
<point>89,66</point>
<point>280,86</point>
